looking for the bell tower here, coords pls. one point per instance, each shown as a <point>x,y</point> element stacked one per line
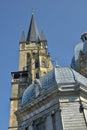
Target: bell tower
<point>34,62</point>
<point>34,56</point>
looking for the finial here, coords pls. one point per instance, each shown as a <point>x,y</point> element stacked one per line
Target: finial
<point>32,11</point>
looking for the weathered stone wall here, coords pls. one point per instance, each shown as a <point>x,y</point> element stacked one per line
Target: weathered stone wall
<point>13,120</point>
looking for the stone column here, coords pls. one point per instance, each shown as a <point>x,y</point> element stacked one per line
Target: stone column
<point>49,123</point>
<point>30,127</point>
<point>85,114</point>
<point>58,121</point>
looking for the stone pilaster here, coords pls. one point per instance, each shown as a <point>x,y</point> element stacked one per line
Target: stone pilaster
<point>49,123</point>
<point>30,127</point>
<point>58,121</point>
<point>13,120</point>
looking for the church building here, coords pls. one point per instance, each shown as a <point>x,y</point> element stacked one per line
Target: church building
<point>44,96</point>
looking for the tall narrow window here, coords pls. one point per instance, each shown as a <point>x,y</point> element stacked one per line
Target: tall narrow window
<point>36,63</point>
<point>28,61</point>
<point>37,76</point>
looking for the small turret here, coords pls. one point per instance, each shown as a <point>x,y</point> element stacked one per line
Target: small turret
<point>23,37</point>
<point>42,36</point>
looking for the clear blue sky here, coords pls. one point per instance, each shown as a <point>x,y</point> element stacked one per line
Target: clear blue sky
<point>63,22</point>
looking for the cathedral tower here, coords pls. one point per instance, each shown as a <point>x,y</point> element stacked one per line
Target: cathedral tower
<point>34,62</point>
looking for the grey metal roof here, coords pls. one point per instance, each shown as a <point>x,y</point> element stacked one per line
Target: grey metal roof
<point>64,75</point>
<point>59,77</point>
<point>28,94</point>
<point>48,80</point>
<point>33,34</point>
<point>45,82</point>
<point>80,79</point>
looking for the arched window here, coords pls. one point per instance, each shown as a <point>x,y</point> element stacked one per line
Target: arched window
<point>37,76</point>
<point>43,63</point>
<point>28,61</point>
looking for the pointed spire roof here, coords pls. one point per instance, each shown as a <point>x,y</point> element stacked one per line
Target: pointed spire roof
<point>33,34</point>
<point>23,37</point>
<point>42,36</point>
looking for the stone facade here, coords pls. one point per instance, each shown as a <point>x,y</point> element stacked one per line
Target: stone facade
<point>46,97</point>
<point>55,110</point>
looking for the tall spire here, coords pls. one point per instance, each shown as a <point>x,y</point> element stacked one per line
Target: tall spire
<point>33,34</point>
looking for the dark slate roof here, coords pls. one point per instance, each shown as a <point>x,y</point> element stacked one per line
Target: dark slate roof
<point>33,34</point>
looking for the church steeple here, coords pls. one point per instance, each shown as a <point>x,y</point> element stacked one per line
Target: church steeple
<point>34,62</point>
<point>33,33</point>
